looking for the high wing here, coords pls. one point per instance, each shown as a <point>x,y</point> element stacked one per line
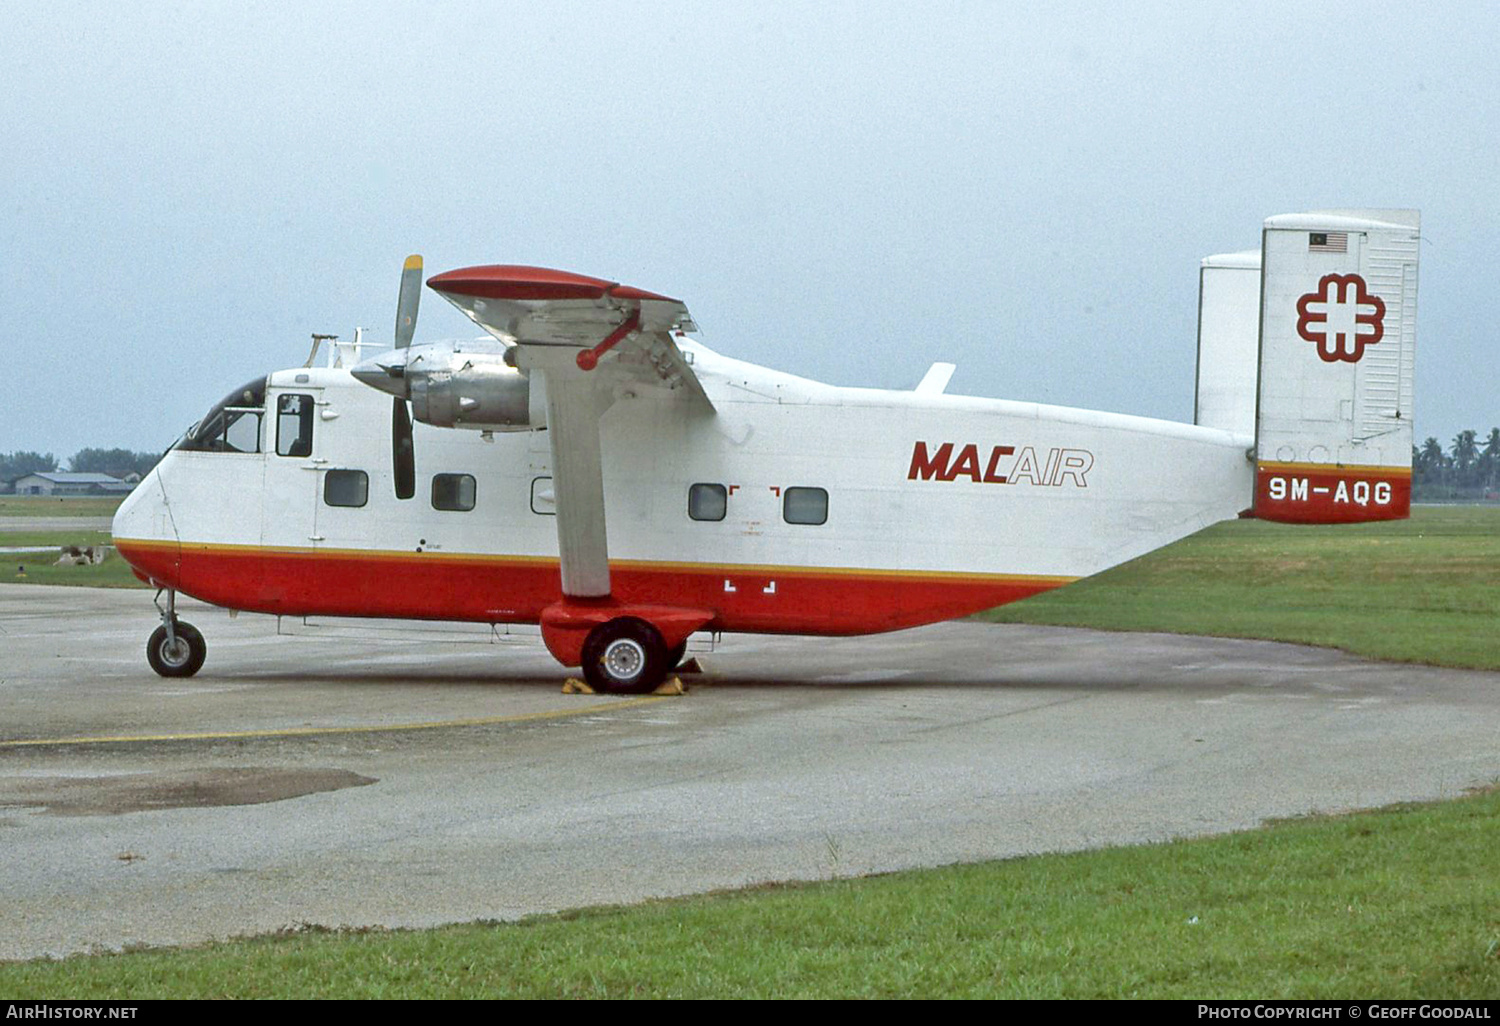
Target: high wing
<point>540,307</point>
<point>592,342</point>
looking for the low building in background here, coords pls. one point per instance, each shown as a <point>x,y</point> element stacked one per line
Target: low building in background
<point>58,482</point>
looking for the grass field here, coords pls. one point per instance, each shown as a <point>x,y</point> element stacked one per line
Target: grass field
<point>41,568</point>
<point>1396,903</point>
<point>58,506</point>
<point>54,538</point>
<point>1419,590</point>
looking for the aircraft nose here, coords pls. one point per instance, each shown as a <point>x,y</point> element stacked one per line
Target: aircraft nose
<point>386,372</point>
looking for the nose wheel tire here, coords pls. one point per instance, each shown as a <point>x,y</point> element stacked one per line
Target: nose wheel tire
<point>181,658</point>
<point>625,657</point>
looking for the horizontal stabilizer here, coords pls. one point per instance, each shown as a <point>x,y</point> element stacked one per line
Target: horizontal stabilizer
<point>1228,341</point>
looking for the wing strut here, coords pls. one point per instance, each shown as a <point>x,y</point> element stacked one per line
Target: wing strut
<point>575,404</point>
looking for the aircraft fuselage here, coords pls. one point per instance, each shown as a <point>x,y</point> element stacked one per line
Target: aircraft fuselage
<point>798,508</point>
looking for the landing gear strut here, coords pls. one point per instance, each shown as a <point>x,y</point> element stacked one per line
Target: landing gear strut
<point>176,649</point>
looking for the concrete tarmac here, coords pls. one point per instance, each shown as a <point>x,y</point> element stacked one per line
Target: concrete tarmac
<point>356,780</point>
<point>80,524</point>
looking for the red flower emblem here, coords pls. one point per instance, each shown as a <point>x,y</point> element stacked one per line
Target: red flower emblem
<point>1341,318</point>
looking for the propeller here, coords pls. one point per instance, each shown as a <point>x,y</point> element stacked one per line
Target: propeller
<point>406,302</point>
<point>403,453</point>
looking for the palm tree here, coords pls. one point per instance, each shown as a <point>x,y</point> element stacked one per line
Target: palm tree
<point>1432,462</point>
<point>1491,459</point>
<point>1465,456</point>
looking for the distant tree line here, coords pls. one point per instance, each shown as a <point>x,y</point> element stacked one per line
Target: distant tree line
<point>1467,471</point>
<point>115,462</point>
<point>19,464</point>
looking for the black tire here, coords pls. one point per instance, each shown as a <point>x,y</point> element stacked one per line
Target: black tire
<point>674,657</point>
<point>624,657</point>
<point>182,661</point>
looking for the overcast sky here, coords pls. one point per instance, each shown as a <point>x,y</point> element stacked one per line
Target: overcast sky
<point>844,191</point>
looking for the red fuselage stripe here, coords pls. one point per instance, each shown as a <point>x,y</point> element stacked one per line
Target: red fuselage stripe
<point>436,586</point>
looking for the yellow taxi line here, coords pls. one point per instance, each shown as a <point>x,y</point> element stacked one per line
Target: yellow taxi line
<point>230,735</point>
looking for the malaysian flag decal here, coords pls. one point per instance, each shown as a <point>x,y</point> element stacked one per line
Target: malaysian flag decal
<point>1328,242</point>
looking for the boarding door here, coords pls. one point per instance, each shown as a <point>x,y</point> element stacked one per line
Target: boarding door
<point>294,471</point>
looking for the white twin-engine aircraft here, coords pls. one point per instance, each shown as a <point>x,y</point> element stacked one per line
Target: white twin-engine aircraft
<point>738,498</point>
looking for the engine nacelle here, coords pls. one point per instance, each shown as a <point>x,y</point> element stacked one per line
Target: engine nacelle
<point>458,384</point>
<point>476,393</point>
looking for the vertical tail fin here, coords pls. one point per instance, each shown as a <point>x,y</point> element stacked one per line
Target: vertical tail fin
<point>1228,316</point>
<point>1338,327</point>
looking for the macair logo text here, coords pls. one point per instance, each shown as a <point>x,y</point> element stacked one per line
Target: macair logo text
<point>1341,318</point>
<point>1002,464</point>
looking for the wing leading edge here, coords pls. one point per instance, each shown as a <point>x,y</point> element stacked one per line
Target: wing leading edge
<point>537,306</point>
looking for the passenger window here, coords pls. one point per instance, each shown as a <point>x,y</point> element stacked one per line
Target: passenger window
<point>707,502</point>
<point>805,506</point>
<point>453,492</point>
<point>346,487</point>
<point>294,426</point>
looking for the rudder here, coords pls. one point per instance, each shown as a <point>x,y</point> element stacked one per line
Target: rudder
<point>1338,310</point>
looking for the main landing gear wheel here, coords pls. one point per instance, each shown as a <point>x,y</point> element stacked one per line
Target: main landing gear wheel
<point>625,657</point>
<point>180,658</point>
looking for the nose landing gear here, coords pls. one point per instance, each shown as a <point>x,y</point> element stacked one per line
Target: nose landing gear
<point>176,648</point>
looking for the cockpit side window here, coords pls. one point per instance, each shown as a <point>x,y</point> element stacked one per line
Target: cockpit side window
<point>233,425</point>
<point>294,425</point>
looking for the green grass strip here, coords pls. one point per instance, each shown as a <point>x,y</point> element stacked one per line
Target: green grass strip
<point>1419,590</point>
<point>59,506</point>
<point>40,568</point>
<point>56,538</point>
<point>1401,902</point>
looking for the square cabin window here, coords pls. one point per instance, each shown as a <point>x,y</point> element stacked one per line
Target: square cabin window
<point>346,487</point>
<point>453,492</point>
<point>805,506</point>
<point>707,501</point>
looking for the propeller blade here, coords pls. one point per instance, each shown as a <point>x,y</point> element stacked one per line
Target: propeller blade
<point>406,303</point>
<point>403,453</point>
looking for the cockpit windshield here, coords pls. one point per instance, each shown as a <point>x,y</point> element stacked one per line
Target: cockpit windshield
<point>233,425</point>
